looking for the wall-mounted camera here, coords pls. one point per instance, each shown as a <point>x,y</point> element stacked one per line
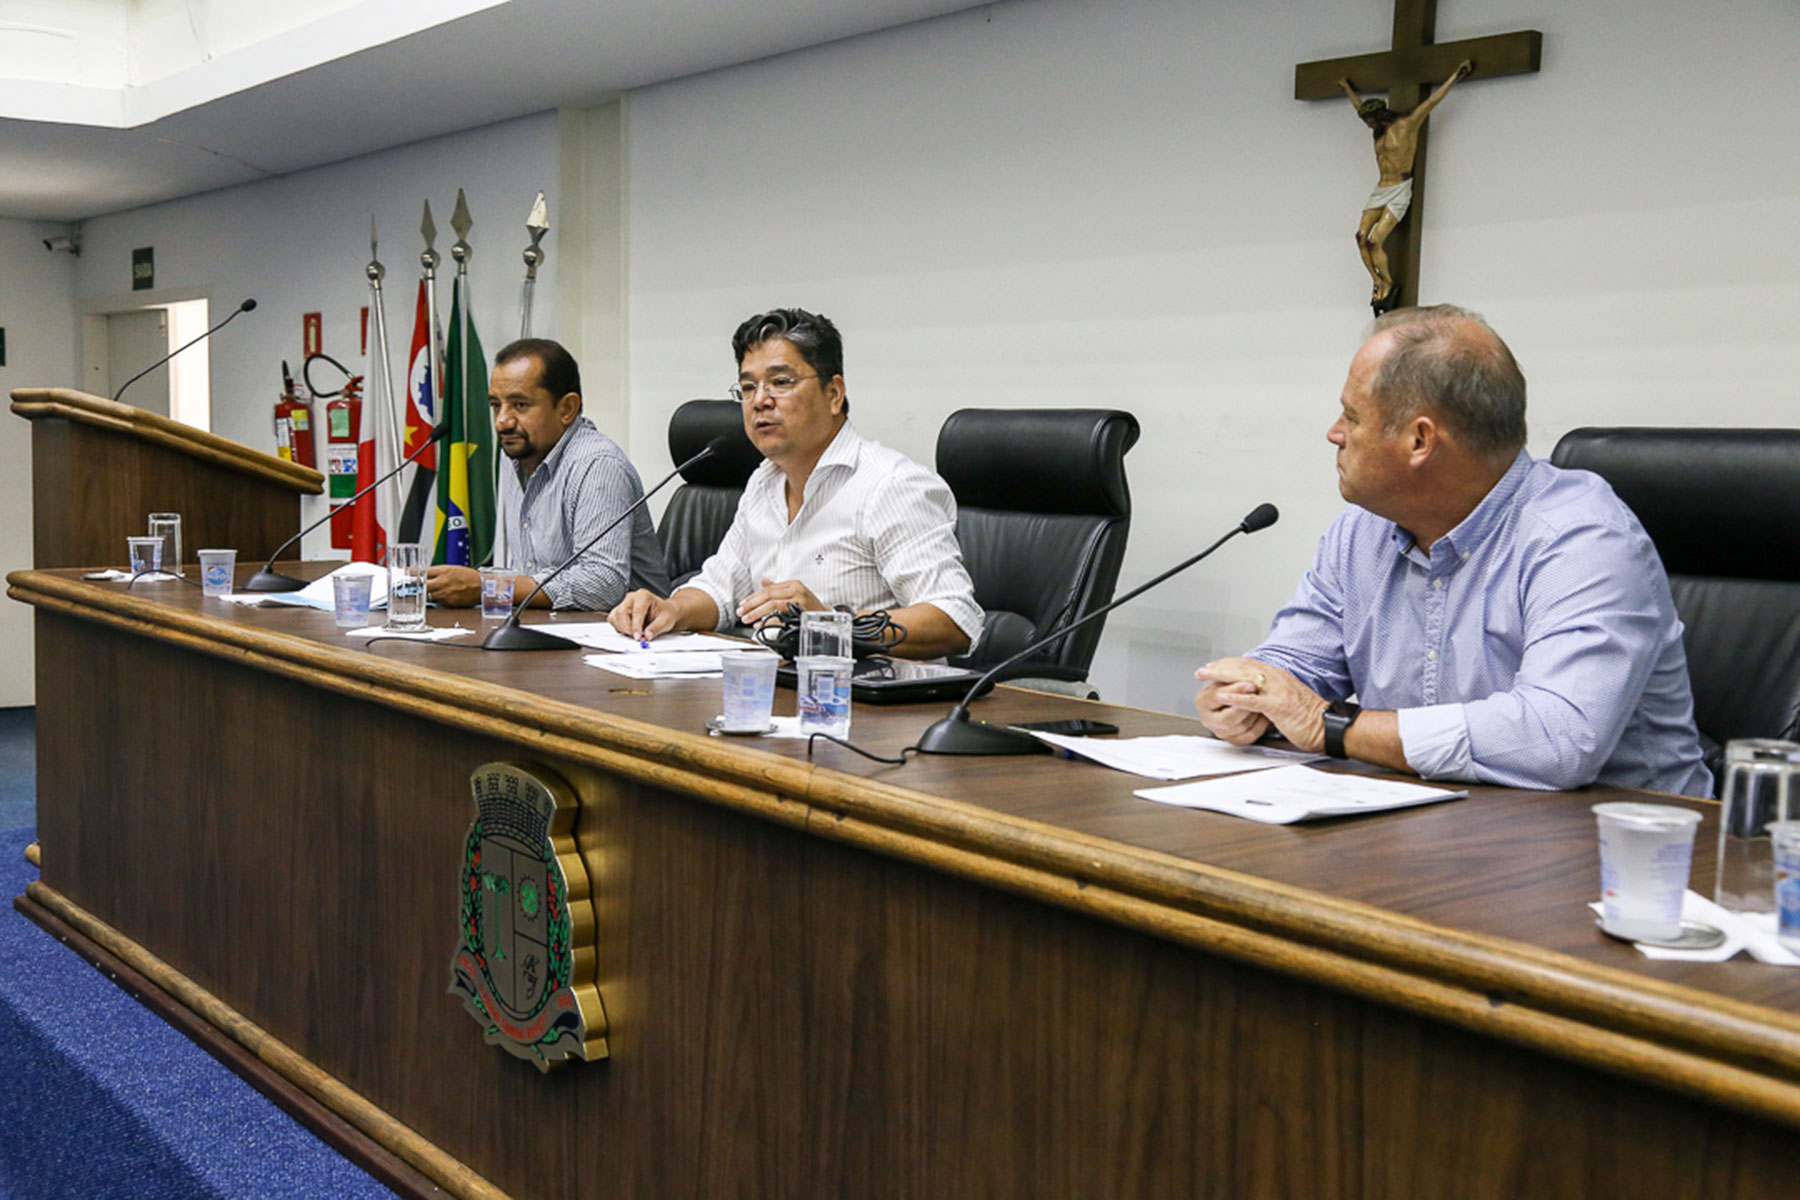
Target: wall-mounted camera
<point>69,243</point>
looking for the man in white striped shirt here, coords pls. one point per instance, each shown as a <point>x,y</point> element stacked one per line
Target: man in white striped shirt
<point>829,518</point>
<point>565,482</point>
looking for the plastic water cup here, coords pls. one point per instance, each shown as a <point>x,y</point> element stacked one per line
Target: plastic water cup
<point>145,553</point>
<point>749,690</point>
<point>218,568</point>
<point>167,526</point>
<point>350,599</point>
<point>824,666</point>
<point>1786,838</point>
<point>407,563</point>
<point>824,694</point>
<point>1646,851</point>
<point>496,594</point>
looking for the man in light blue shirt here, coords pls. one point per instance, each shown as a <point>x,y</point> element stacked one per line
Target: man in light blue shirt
<point>1499,620</point>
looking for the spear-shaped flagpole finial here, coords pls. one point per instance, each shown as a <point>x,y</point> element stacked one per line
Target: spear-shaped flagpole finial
<point>461,222</point>
<point>430,258</point>
<point>537,225</point>
<point>374,270</point>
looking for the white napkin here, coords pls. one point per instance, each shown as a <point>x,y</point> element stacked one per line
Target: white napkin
<point>1754,932</point>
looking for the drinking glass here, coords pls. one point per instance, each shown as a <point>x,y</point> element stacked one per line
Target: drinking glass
<point>407,563</point>
<point>1762,786</point>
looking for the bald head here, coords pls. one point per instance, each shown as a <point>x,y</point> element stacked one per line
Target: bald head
<point>1445,362</point>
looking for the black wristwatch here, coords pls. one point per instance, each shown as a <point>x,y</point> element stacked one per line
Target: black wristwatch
<point>1339,716</point>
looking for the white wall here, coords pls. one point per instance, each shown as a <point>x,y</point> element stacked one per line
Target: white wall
<point>299,243</point>
<point>1062,203</point>
<point>36,288</point>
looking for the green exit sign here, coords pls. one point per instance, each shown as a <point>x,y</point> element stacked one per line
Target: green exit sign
<point>143,269</point>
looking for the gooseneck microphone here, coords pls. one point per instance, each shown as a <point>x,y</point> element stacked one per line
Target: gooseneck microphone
<point>246,306</point>
<point>513,636</point>
<point>956,734</point>
<point>270,580</point>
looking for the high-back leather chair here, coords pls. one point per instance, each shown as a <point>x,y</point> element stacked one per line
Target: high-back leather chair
<point>1043,512</point>
<point>701,509</point>
<point>1723,507</point>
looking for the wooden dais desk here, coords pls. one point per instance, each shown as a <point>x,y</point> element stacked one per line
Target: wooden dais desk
<point>956,978</point>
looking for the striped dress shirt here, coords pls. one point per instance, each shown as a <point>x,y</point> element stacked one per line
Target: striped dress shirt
<point>1536,646</point>
<point>583,483</point>
<point>875,531</point>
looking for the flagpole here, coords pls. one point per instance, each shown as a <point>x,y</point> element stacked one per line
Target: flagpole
<point>430,259</point>
<point>382,370</point>
<point>537,225</point>
<point>461,251</point>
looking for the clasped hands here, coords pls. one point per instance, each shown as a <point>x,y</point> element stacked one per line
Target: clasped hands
<point>1243,698</point>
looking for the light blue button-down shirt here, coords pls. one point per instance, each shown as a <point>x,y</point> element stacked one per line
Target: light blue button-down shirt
<point>1535,646</point>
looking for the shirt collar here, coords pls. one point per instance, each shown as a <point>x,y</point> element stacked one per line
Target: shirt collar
<point>1457,545</point>
<point>548,466</point>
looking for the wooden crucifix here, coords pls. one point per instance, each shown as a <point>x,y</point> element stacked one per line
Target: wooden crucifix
<point>1407,72</point>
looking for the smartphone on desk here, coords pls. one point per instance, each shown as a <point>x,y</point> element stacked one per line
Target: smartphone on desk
<point>1079,728</point>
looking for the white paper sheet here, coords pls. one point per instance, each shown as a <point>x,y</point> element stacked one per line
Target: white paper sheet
<point>598,635</point>
<point>318,593</point>
<point>1296,794</point>
<point>1174,756</point>
<point>422,635</point>
<point>652,664</point>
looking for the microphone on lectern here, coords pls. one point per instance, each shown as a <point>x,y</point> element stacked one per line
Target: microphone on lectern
<point>246,306</point>
<point>511,635</point>
<point>956,734</point>
<point>269,579</point>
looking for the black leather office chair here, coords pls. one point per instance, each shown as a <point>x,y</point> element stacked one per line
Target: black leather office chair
<point>1723,507</point>
<point>1043,512</point>
<point>701,509</point>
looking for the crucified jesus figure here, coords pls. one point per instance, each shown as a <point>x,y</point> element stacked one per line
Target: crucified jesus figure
<point>1396,144</point>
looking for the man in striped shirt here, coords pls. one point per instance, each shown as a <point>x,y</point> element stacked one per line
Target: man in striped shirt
<point>829,518</point>
<point>565,482</point>
<point>1500,620</point>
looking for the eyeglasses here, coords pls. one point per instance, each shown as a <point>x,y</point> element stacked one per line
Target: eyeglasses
<point>777,386</point>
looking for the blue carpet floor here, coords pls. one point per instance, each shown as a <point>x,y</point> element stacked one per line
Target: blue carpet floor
<point>99,1098</point>
<point>18,768</point>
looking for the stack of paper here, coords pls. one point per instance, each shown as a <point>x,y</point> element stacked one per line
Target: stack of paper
<point>1297,794</point>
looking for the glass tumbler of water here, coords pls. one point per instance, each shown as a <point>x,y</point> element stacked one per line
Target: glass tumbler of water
<point>824,667</point>
<point>406,586</point>
<point>167,526</point>
<point>1761,786</point>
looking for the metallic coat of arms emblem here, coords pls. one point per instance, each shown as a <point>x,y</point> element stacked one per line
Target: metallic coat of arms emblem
<point>524,967</point>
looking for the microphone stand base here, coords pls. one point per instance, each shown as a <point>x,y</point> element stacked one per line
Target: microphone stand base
<point>959,735</point>
<point>266,580</point>
<point>523,637</point>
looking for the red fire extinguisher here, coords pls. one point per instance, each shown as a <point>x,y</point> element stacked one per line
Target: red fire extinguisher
<point>343,433</point>
<point>293,424</point>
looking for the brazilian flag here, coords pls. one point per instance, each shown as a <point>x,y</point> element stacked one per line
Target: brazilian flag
<point>465,478</point>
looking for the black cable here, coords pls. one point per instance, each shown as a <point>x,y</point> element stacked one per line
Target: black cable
<point>306,374</point>
<point>895,762</point>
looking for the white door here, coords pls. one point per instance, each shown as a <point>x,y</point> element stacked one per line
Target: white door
<point>134,340</point>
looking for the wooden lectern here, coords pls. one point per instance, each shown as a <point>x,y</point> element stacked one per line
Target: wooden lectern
<point>99,468</point>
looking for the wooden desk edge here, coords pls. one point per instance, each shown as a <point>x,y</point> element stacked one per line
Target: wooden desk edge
<point>38,403</point>
<point>1709,1046</point>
